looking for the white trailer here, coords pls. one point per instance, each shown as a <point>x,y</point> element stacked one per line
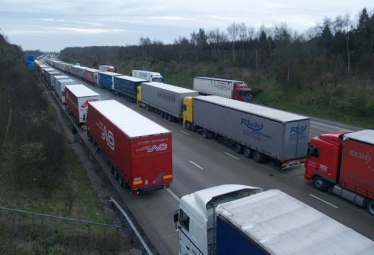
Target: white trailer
<point>147,75</point>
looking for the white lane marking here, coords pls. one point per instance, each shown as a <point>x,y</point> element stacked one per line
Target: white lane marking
<point>320,199</point>
<point>153,117</point>
<point>173,195</point>
<point>184,132</point>
<point>231,156</point>
<point>196,165</point>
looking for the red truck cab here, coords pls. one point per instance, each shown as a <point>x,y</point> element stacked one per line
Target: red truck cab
<point>242,92</point>
<point>323,159</point>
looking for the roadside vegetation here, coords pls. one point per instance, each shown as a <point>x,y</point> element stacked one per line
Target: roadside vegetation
<point>40,173</point>
<point>326,72</point>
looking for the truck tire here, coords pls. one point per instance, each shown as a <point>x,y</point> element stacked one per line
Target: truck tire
<point>116,173</point>
<point>370,207</point>
<point>238,148</point>
<point>113,169</point>
<point>188,125</point>
<point>258,157</point>
<point>170,118</point>
<point>205,133</point>
<point>319,183</point>
<point>147,108</point>
<point>97,149</point>
<point>248,152</point>
<point>121,181</point>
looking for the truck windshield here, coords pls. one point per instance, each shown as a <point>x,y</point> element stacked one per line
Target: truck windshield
<point>157,79</point>
<point>245,93</point>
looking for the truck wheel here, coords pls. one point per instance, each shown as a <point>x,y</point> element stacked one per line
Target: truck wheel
<point>205,134</point>
<point>258,157</point>
<point>238,148</point>
<point>97,149</point>
<point>116,174</point>
<point>248,152</point>
<point>113,169</point>
<point>188,125</point>
<point>319,183</point>
<point>170,118</point>
<point>121,181</point>
<point>147,108</point>
<point>370,207</point>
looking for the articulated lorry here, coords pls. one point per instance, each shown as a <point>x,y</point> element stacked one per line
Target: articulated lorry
<point>232,89</point>
<point>138,150</point>
<point>90,75</point>
<point>238,219</point>
<point>105,80</point>
<point>127,87</point>
<point>258,132</point>
<point>60,87</point>
<point>343,161</point>
<point>165,99</point>
<point>106,68</point>
<point>58,77</point>
<point>147,75</point>
<point>77,98</point>
<point>50,75</point>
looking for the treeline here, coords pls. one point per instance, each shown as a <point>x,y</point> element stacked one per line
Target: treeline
<point>31,144</point>
<point>331,52</point>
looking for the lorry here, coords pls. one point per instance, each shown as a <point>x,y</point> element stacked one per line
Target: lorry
<point>127,87</point>
<point>343,162</point>
<point>77,98</point>
<point>165,99</point>
<point>49,77</point>
<point>147,75</point>
<point>237,219</point>
<point>58,77</point>
<point>106,68</point>
<point>232,89</point>
<point>105,80</point>
<point>90,75</point>
<point>60,87</point>
<point>258,132</point>
<point>139,151</point>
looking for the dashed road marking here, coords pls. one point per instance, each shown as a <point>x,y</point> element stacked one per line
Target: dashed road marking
<point>232,156</point>
<point>196,165</point>
<point>320,199</point>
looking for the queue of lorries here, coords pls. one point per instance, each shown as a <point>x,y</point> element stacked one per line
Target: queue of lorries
<point>140,154</point>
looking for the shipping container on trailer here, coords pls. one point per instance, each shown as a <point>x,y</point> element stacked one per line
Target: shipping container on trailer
<point>257,131</point>
<point>60,87</point>
<point>138,149</point>
<point>77,98</point>
<point>127,86</point>
<point>164,98</point>
<point>90,75</point>
<point>105,80</point>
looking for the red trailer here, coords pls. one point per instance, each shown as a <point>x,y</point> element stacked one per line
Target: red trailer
<point>90,75</point>
<point>138,149</point>
<point>76,102</point>
<point>344,162</point>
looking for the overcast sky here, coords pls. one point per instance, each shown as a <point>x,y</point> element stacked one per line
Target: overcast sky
<point>51,25</point>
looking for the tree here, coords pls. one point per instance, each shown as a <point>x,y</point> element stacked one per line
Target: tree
<point>233,32</point>
<point>215,39</point>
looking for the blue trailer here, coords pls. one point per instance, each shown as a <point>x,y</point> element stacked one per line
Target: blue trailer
<point>105,80</point>
<point>127,86</point>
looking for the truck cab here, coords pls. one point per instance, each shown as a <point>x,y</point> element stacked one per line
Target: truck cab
<point>195,219</point>
<point>242,92</point>
<point>323,159</point>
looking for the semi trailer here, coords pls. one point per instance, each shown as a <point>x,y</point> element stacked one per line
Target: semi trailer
<point>343,161</point>
<point>127,87</point>
<point>238,219</point>
<point>105,80</point>
<point>232,89</point>
<point>60,87</point>
<point>147,75</point>
<point>258,132</point>
<point>77,98</point>
<point>165,99</point>
<point>138,150</point>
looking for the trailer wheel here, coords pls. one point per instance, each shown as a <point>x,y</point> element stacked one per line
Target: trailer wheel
<point>121,181</point>
<point>258,157</point>
<point>97,149</point>
<point>116,174</point>
<point>112,169</point>
<point>319,183</point>
<point>147,108</point>
<point>248,152</point>
<point>205,133</point>
<point>188,125</point>
<point>238,148</point>
<point>170,118</point>
<point>370,207</point>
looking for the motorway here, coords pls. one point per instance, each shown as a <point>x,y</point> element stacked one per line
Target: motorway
<point>199,163</point>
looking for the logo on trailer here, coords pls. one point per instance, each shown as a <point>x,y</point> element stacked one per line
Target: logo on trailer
<point>166,96</point>
<point>360,155</point>
<point>85,104</point>
<point>299,129</point>
<point>108,137</point>
<point>160,147</point>
<point>221,85</point>
<point>252,125</point>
